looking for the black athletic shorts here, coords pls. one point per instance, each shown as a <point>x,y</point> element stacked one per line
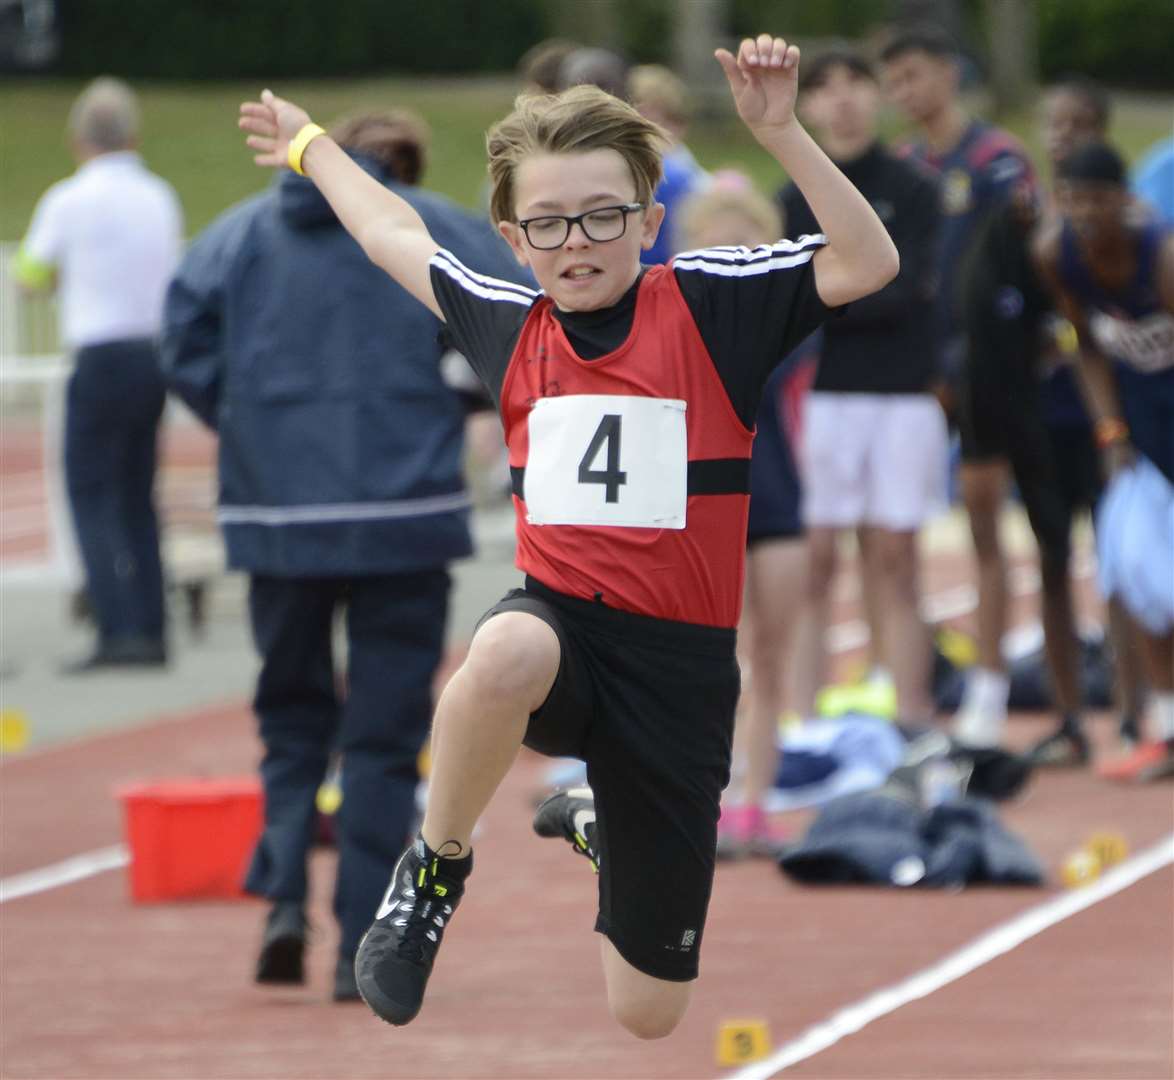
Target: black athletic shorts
<point>1056,468</point>
<point>649,705</point>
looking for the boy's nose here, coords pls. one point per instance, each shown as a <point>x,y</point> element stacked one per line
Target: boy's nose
<point>577,236</point>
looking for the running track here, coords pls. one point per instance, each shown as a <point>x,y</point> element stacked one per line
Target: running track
<point>93,986</point>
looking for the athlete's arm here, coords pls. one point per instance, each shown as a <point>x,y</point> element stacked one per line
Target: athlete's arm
<point>1094,371</point>
<point>387,228</point>
<point>1166,273</point>
<point>860,257</point>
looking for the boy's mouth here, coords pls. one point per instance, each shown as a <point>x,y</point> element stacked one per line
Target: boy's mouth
<point>580,272</point>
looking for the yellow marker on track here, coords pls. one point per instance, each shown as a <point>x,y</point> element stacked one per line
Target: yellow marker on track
<point>1109,848</point>
<point>742,1041</point>
<point>14,731</point>
<point>1080,868</point>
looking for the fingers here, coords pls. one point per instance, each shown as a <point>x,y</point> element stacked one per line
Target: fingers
<point>766,51</point>
<point>730,67</point>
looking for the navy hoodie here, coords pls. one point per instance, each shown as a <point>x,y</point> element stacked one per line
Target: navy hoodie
<point>340,444</point>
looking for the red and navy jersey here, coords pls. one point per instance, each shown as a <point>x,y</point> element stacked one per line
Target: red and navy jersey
<point>983,169</point>
<point>630,429</point>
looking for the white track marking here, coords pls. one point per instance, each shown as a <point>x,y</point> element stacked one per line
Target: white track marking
<point>991,945</point>
<point>78,868</point>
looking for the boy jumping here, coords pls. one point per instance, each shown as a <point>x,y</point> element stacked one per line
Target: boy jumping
<point>627,396</point>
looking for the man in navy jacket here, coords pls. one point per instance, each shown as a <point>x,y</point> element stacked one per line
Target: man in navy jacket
<point>340,487</point>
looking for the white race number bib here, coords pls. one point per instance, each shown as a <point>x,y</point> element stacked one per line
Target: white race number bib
<point>607,459</point>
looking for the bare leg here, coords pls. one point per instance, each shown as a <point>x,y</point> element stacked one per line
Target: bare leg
<point>480,721</point>
<point>871,596</point>
<point>984,487</point>
<point>810,661</point>
<point>1129,668</point>
<point>897,569</point>
<point>649,1008</point>
<point>1159,660</point>
<point>774,574</point>
<point>1060,639</point>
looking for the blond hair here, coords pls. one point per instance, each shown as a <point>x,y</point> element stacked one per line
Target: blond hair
<point>751,204</point>
<point>577,121</point>
<point>653,86</point>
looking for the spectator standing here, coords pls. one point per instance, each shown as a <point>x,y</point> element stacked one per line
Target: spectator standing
<point>661,97</point>
<point>1114,280</point>
<point>109,238</point>
<point>874,441</point>
<point>732,213</point>
<point>1021,415</point>
<point>980,166</point>
<point>340,488</point>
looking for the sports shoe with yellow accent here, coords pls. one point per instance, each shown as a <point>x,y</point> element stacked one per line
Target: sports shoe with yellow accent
<point>571,815</point>
<point>396,953</point>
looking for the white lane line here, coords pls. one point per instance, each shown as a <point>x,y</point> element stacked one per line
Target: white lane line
<point>77,868</point>
<point>991,945</point>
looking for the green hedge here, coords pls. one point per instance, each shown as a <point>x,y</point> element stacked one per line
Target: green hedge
<point>1122,42</point>
<point>1119,42</point>
<point>195,39</point>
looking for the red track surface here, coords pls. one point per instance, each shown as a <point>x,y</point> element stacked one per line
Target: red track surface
<point>94,986</point>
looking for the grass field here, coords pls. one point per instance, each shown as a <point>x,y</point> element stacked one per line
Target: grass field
<point>190,136</point>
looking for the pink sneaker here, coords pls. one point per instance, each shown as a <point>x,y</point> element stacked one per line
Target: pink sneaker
<point>745,831</point>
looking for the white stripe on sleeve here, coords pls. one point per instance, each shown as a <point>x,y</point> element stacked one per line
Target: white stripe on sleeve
<point>488,288</point>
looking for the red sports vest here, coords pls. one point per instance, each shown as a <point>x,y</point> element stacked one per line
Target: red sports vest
<point>691,574</point>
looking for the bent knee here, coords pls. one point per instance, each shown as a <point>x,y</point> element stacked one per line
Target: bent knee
<point>516,656</point>
<point>648,1020</point>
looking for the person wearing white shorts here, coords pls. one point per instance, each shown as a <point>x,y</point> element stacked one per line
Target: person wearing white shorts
<point>876,460</point>
<point>874,443</point>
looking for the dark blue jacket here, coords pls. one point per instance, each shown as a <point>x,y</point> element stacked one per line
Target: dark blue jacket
<point>340,444</point>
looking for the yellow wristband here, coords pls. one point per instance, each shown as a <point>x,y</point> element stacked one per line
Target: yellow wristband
<point>297,146</point>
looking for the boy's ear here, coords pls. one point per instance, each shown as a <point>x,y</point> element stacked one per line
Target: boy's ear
<point>653,217</point>
<point>514,237</point>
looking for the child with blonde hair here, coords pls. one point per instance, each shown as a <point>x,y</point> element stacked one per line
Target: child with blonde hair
<point>628,399</point>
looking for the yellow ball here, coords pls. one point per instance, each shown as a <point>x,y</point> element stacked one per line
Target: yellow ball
<point>1080,868</point>
<point>1109,847</point>
<point>329,798</point>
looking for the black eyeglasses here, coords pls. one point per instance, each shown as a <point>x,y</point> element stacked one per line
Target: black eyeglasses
<point>601,225</point>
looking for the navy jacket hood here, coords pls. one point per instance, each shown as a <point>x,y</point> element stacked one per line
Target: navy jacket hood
<point>303,206</point>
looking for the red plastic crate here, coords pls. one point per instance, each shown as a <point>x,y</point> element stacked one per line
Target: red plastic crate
<point>191,839</point>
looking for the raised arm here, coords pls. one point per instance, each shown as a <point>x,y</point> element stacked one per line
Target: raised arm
<point>860,257</point>
<point>388,228</point>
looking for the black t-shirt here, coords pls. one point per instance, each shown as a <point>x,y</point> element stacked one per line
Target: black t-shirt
<point>884,343</point>
<point>751,307</point>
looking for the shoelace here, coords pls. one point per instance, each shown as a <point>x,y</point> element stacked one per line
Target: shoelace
<point>420,924</point>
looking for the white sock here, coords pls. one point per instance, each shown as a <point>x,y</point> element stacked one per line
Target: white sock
<point>1161,718</point>
<point>983,713</point>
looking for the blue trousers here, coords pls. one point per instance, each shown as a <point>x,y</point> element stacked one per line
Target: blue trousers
<point>113,405</point>
<point>395,627</point>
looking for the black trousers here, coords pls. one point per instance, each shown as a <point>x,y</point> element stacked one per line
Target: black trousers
<point>114,402</point>
<point>395,627</point>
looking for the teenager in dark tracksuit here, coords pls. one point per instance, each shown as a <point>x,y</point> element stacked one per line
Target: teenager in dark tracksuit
<point>340,488</point>
<point>980,167</point>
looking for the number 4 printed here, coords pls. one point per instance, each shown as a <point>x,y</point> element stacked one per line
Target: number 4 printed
<point>611,477</point>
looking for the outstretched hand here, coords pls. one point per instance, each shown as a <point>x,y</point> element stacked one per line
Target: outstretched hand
<point>764,79</point>
<point>272,123</point>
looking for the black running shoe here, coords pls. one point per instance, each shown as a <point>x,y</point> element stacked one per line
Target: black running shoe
<point>283,945</point>
<point>396,954</point>
<point>1066,748</point>
<point>571,815</point>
